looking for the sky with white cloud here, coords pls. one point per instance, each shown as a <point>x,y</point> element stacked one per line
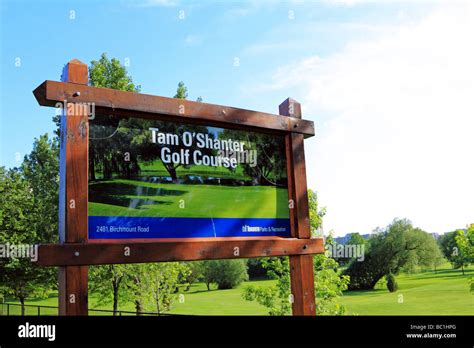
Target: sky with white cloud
<point>389,85</point>
<point>397,136</point>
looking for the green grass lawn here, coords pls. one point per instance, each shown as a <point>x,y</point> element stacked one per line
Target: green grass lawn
<point>426,293</point>
<point>445,293</point>
<point>197,301</point>
<point>120,197</point>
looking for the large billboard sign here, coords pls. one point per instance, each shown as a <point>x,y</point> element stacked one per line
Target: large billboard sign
<point>156,179</point>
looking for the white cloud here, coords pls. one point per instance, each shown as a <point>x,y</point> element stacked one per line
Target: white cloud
<point>397,136</point>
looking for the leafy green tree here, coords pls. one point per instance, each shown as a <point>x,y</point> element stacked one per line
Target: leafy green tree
<point>136,288</point>
<point>227,274</point>
<point>356,239</point>
<point>28,215</point>
<point>430,255</point>
<point>191,273</point>
<point>448,246</point>
<point>275,298</point>
<point>182,91</point>
<point>163,281</point>
<point>316,213</point>
<point>209,273</point>
<point>457,247</point>
<point>152,285</point>
<point>20,277</point>
<point>399,246</point>
<point>40,169</point>
<point>106,282</point>
<point>465,248</point>
<point>328,284</point>
<point>109,73</point>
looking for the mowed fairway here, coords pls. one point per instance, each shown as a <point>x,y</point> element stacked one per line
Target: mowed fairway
<point>444,293</point>
<point>139,198</point>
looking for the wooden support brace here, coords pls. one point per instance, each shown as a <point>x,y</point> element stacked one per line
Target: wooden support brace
<point>73,298</point>
<point>301,266</point>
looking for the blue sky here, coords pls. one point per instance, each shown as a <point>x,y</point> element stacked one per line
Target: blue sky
<point>309,50</point>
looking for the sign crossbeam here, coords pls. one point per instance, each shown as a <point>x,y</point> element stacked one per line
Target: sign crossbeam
<point>76,254</point>
<point>130,104</point>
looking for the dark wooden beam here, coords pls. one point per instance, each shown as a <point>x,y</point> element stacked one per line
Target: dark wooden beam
<point>301,266</point>
<point>74,254</point>
<point>129,104</point>
<point>73,292</point>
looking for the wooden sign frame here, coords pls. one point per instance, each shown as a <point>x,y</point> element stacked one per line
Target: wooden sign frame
<point>75,252</point>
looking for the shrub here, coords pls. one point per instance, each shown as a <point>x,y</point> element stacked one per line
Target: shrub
<point>227,274</point>
<point>392,285</point>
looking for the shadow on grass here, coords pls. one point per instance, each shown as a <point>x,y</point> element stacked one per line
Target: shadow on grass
<point>449,273</point>
<point>114,193</point>
<point>201,291</point>
<point>365,292</point>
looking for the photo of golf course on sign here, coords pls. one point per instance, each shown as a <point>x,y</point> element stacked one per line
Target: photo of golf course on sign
<point>155,179</point>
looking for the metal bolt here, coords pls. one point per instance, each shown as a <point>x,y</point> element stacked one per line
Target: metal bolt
<point>76,253</point>
<point>76,94</point>
<point>305,247</point>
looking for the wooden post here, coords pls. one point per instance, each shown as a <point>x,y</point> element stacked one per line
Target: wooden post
<point>73,193</point>
<point>301,266</point>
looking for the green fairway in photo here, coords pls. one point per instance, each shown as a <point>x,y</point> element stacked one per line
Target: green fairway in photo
<point>120,197</point>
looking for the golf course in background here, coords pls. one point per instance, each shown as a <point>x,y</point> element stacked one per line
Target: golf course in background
<point>445,293</point>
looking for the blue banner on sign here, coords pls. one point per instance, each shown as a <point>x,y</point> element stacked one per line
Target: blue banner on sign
<point>125,227</point>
